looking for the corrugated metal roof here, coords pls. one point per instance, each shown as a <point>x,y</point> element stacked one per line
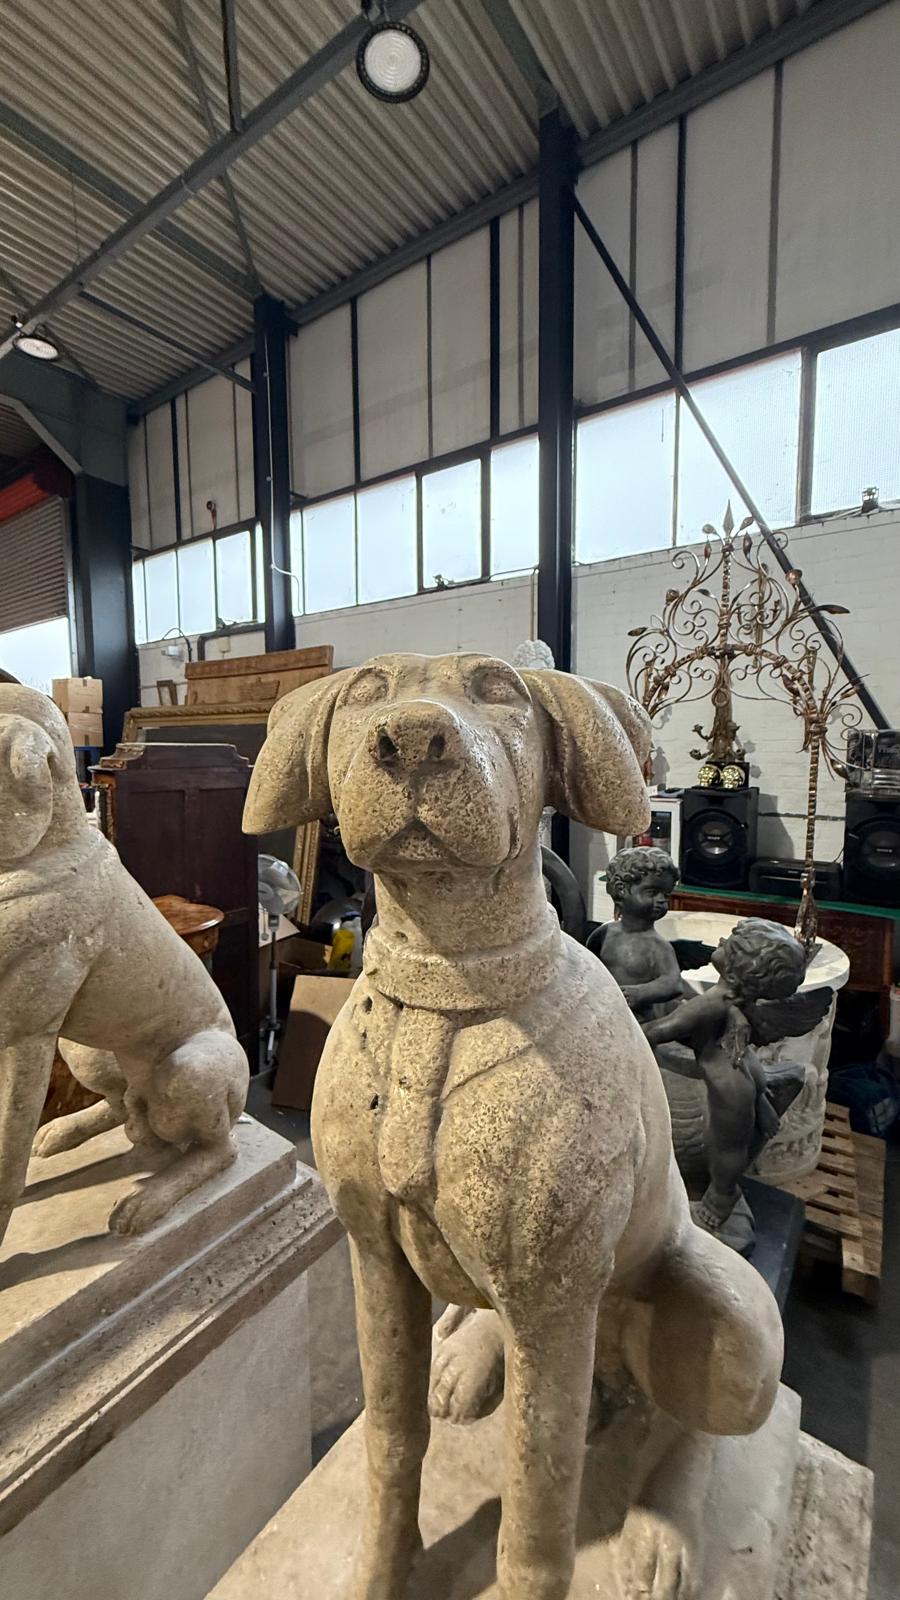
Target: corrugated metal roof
<point>337,185</point>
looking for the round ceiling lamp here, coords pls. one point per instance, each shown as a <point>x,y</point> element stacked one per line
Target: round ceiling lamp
<point>38,343</point>
<point>392,62</point>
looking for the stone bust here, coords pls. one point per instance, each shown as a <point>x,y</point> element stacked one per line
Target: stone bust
<point>488,1117</point>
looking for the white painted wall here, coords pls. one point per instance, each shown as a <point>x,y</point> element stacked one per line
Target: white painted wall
<point>155,665</point>
<point>493,617</point>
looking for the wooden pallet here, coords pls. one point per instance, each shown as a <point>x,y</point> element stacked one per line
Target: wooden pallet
<point>844,1200</point>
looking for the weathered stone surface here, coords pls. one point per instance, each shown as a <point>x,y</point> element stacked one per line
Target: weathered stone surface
<point>87,960</point>
<point>154,1392</point>
<point>785,1519</point>
<point>489,1119</point>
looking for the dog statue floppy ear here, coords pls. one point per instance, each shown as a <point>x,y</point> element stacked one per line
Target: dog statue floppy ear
<point>26,786</point>
<point>289,785</point>
<point>600,742</point>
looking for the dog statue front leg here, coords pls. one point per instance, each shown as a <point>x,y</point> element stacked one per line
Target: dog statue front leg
<point>393,1317</point>
<point>549,1373</point>
<point>25,1070</point>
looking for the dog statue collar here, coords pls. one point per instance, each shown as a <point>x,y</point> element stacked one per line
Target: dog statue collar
<point>484,981</point>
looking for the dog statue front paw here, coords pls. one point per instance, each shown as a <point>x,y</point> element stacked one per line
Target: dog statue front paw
<point>654,1559</point>
<point>138,1211</point>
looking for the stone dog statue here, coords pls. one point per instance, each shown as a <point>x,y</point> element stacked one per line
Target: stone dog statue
<point>84,954</point>
<point>488,1118</point>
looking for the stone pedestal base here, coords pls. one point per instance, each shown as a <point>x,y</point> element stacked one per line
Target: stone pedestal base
<point>781,1518</point>
<point>154,1391</point>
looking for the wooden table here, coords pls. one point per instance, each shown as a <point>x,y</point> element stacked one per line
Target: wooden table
<point>864,933</point>
<point>197,925</point>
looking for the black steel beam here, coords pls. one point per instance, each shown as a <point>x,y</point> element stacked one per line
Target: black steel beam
<point>104,612</point>
<point>42,143</point>
<point>555,396</point>
<point>677,377</point>
<point>302,84</point>
<point>272,466</point>
<point>517,43</point>
<point>232,64</point>
<point>556,296</point>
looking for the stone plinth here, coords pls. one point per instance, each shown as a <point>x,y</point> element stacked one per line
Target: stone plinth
<point>154,1391</point>
<point>783,1518</point>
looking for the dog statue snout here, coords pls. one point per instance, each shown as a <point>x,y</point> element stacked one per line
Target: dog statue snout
<point>419,736</point>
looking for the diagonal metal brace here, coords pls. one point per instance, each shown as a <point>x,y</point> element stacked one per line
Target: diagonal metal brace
<point>866,698</point>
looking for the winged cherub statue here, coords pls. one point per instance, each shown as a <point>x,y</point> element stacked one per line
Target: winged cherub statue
<point>755,1002</point>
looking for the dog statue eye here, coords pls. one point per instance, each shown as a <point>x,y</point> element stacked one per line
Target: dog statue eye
<point>495,688</point>
<point>367,689</point>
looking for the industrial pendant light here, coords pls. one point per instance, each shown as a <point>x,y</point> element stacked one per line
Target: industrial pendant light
<point>39,343</point>
<point>392,61</point>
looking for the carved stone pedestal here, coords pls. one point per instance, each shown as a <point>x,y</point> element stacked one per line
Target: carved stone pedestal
<point>781,1517</point>
<point>154,1391</point>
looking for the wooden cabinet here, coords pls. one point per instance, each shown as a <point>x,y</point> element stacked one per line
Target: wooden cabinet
<point>173,812</point>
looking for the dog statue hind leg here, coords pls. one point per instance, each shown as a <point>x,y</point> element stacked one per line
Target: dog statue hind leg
<point>98,1071</point>
<point>25,1068</point>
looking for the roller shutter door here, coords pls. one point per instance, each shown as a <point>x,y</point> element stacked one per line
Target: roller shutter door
<point>33,584</point>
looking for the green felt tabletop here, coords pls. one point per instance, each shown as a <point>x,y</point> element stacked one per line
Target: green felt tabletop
<point>891,913</point>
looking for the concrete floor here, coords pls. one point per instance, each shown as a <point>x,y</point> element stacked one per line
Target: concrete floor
<point>842,1356</point>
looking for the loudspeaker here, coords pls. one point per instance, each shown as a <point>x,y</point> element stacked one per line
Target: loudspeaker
<point>771,875</point>
<point>872,849</point>
<point>718,836</point>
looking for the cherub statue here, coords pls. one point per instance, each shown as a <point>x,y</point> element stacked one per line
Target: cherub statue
<point>760,966</point>
<point>643,963</point>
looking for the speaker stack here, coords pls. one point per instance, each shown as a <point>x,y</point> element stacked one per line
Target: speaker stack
<point>872,822</point>
<point>718,836</point>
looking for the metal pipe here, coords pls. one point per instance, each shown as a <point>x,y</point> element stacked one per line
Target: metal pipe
<point>677,377</point>
<point>163,338</point>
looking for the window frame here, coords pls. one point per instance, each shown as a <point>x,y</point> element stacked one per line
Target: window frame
<point>249,526</point>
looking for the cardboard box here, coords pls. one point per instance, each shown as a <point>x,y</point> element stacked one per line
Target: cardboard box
<point>78,695</point>
<point>86,728</point>
<point>315,1003</point>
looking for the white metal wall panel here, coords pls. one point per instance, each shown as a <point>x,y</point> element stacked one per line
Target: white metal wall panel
<point>33,566</point>
<point>138,497</point>
<point>393,372</point>
<point>601,316</point>
<point>160,477</point>
<point>184,466</point>
<point>461,343</point>
<point>210,412</point>
<point>839,204</point>
<point>321,396</point>
<point>727,224</point>
<point>655,225</point>
<point>243,442</point>
<point>530,314</point>
<point>519,318</point>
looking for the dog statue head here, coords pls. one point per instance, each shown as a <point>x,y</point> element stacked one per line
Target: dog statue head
<point>436,762</point>
<point>39,791</point>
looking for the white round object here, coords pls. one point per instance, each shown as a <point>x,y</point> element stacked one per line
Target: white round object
<point>278,886</point>
<point>37,345</point>
<point>392,60</point>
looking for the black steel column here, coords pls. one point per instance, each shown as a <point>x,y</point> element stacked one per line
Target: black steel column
<point>104,612</point>
<point>556,290</point>
<point>555,401</point>
<point>272,466</point>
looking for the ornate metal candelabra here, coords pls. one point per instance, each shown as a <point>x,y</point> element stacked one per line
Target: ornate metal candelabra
<point>757,633</point>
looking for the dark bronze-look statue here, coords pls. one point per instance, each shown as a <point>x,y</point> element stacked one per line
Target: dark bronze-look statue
<point>760,967</point>
<point>642,962</point>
